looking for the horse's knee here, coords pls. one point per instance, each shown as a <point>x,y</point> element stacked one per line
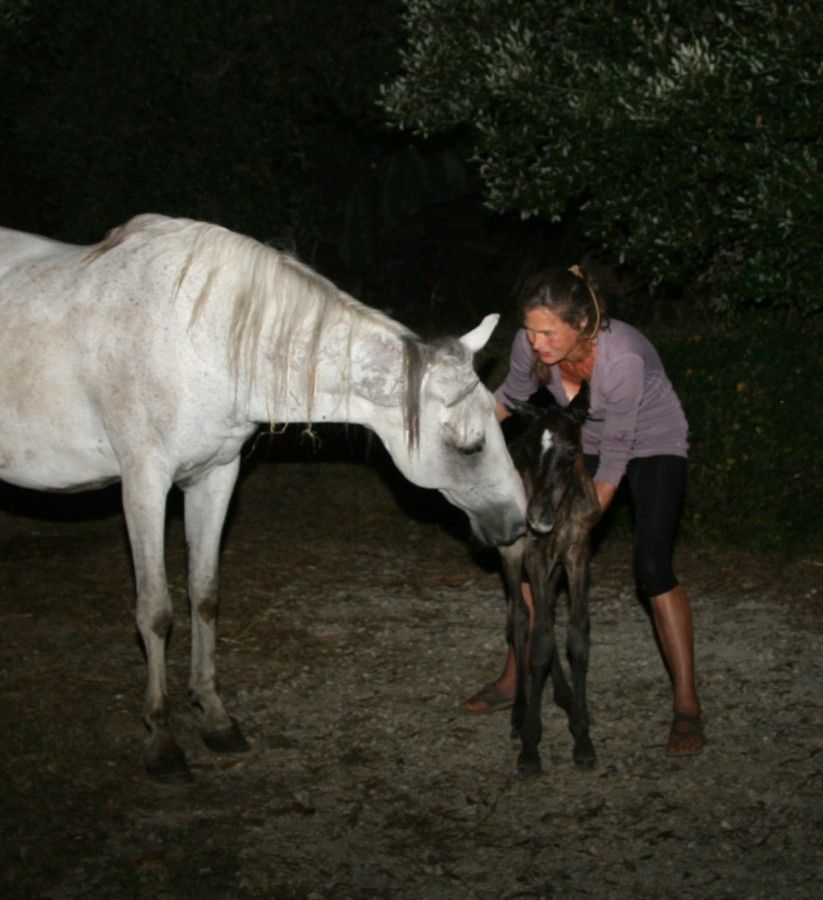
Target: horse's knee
<point>161,623</point>
<point>207,608</point>
<point>153,614</point>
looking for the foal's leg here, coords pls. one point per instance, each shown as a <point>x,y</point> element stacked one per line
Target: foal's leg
<point>144,504</point>
<point>206,502</point>
<point>561,691</point>
<point>577,648</point>
<point>541,655</point>
<point>517,624</point>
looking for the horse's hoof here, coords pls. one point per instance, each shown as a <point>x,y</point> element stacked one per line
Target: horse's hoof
<point>225,740</point>
<point>528,764</point>
<point>167,763</point>
<point>584,755</point>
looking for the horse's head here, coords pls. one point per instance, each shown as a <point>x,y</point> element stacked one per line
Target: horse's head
<point>448,437</point>
<point>545,443</point>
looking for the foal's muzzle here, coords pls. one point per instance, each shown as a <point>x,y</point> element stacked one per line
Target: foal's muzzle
<point>540,519</point>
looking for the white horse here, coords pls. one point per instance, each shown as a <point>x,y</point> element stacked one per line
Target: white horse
<point>153,356</point>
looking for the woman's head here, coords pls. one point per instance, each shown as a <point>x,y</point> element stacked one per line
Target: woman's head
<point>562,313</point>
<point>571,295</point>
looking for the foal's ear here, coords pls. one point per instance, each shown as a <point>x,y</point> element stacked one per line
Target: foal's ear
<point>578,409</point>
<point>543,399</point>
<point>525,410</point>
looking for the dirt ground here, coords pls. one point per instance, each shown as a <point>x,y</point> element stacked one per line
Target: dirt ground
<point>355,617</point>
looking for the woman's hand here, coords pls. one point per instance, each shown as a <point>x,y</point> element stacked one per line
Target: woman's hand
<point>605,493</point>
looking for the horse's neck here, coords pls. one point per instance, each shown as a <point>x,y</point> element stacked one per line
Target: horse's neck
<point>344,367</point>
<point>297,348</point>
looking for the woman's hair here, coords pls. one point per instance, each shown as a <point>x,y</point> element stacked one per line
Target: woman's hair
<point>571,295</point>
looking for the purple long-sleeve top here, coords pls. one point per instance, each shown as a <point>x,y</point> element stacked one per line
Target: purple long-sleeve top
<point>634,409</point>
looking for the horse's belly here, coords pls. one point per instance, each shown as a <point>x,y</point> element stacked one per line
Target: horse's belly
<point>48,462</point>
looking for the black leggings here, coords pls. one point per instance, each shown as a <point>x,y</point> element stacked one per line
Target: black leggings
<point>657,485</point>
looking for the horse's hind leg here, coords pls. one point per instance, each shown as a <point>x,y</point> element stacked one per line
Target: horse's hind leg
<point>577,646</point>
<point>144,504</point>
<point>206,502</point>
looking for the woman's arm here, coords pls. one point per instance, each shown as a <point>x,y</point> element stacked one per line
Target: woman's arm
<point>605,493</point>
<point>520,382</point>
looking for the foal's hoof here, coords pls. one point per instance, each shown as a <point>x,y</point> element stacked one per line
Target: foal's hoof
<point>528,764</point>
<point>225,740</point>
<point>167,762</point>
<point>584,755</point>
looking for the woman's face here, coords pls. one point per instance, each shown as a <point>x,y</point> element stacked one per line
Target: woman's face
<point>552,339</point>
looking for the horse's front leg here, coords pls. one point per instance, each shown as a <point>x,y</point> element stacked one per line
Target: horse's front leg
<point>542,651</point>
<point>577,648</point>
<point>517,624</point>
<point>561,689</point>
<point>144,505</point>
<point>206,503</point>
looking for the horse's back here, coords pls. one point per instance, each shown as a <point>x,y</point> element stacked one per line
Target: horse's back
<point>21,250</point>
<point>95,354</point>
<point>47,260</point>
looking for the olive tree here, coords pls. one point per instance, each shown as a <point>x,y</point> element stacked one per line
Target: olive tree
<point>684,135</point>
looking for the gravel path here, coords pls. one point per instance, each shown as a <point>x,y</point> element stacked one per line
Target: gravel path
<point>355,618</point>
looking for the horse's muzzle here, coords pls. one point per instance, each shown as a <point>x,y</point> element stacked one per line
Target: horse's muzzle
<point>498,527</point>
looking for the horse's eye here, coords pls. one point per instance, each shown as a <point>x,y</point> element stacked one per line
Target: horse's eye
<point>474,447</point>
<point>466,441</point>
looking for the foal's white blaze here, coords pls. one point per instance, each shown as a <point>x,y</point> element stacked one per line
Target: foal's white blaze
<point>546,442</point>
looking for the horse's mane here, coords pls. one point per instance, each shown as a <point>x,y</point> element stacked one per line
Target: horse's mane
<point>275,301</point>
<point>272,296</point>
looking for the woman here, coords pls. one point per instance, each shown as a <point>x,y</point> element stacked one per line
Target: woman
<point>636,429</point>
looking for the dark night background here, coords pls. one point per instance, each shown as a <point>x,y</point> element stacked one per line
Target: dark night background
<point>264,118</point>
<point>261,117</point>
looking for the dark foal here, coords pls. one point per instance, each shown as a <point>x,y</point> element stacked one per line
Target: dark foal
<point>545,445</point>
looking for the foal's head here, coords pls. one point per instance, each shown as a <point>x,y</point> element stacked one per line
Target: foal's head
<point>545,443</point>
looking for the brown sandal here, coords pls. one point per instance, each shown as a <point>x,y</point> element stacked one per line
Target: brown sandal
<point>684,727</point>
<point>488,699</point>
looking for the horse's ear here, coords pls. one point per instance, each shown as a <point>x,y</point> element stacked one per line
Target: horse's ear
<point>578,409</point>
<point>476,340</point>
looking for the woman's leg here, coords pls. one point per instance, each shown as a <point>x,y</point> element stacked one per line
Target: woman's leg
<point>499,694</point>
<point>657,485</point>
<point>672,617</point>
